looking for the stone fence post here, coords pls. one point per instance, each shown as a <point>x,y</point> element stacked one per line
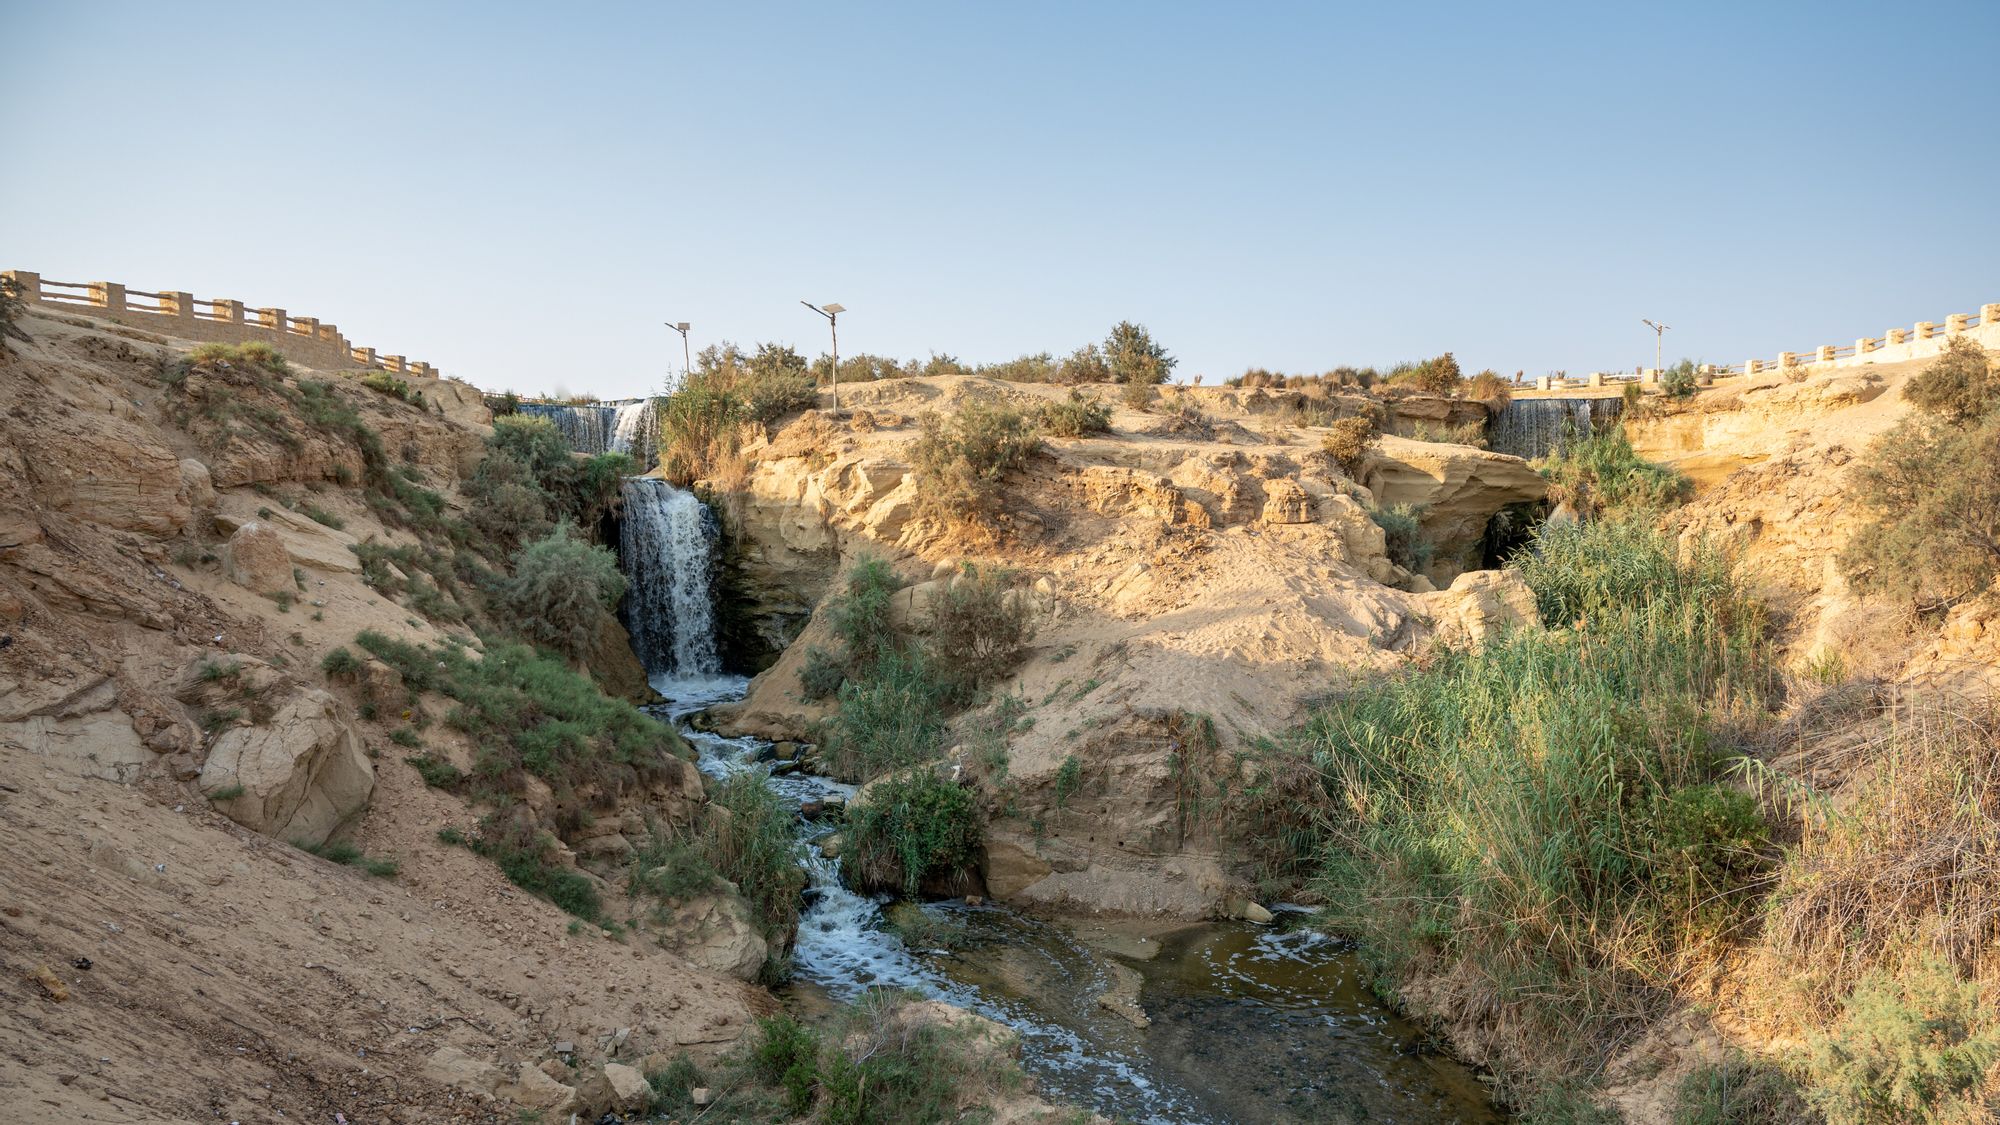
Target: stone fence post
<point>1896,335</point>
<point>28,284</point>
<point>1989,315</point>
<point>228,311</point>
<point>1865,345</point>
<point>179,305</point>
<point>1955,324</point>
<point>1926,329</point>
<point>108,295</point>
<point>1752,366</point>
<point>273,319</point>
<point>1824,354</point>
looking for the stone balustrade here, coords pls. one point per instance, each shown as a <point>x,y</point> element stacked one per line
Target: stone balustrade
<point>302,339</point>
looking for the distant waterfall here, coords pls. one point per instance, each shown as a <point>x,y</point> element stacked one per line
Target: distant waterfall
<point>1535,427</point>
<point>667,543</point>
<point>631,427</point>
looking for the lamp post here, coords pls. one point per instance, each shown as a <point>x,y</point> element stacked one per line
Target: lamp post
<point>1659,333</point>
<point>832,314</point>
<point>686,365</point>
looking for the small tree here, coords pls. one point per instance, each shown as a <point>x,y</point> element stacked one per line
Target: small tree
<point>1959,386</point>
<point>561,591</point>
<point>1084,365</point>
<point>1678,381</point>
<point>1136,360</point>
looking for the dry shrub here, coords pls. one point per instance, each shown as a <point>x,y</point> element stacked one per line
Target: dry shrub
<point>1490,388</point>
<point>1347,441</point>
<point>1912,855</point>
<point>976,626</point>
<point>1184,417</point>
<point>961,461</point>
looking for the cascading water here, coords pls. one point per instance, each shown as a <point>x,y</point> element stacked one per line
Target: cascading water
<point>630,427</point>
<point>666,544</point>
<point>1535,427</point>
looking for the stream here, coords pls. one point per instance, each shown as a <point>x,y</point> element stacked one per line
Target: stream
<point>1247,1023</point>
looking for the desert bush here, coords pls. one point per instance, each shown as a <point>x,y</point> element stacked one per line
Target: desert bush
<point>1083,366</point>
<point>1913,1046</point>
<point>909,829</point>
<point>1679,381</point>
<point>821,674</point>
<point>975,629</point>
<point>527,856</point>
<point>700,424</point>
<point>348,855</point>
<point>1437,376</point>
<point>436,772</point>
<point>1040,367</point>
<point>1959,386</point>
<point>744,836</point>
<point>1932,487</point>
<point>561,593</point>
<point>1347,441</point>
<point>1599,474</point>
<point>1491,388</point>
<point>1077,416</point>
<point>1403,535</point>
<point>960,461</point>
<point>859,614</point>
<point>386,383</point>
<point>1183,415</point>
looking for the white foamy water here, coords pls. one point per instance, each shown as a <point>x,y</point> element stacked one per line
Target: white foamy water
<point>666,544</point>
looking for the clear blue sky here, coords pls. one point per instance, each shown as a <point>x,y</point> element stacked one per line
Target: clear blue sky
<point>521,194</point>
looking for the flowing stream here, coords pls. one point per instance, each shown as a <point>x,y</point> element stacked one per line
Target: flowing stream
<point>1243,1023</point>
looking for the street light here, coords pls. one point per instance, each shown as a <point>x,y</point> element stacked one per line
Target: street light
<point>832,314</point>
<point>1659,331</point>
<point>686,365</point>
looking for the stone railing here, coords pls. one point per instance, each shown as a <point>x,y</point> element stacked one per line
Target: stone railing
<point>1926,338</point>
<point>302,339</point>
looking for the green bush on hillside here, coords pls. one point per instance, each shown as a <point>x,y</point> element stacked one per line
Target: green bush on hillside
<point>961,461</point>
<point>562,593</point>
<point>1914,1046</point>
<point>1599,474</point>
<point>975,629</point>
<point>1403,537</point>
<point>1136,360</point>
<point>909,829</point>
<point>1077,416</point>
<point>1932,487</point>
<point>1679,381</point>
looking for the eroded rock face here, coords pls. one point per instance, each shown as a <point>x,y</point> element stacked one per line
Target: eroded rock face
<point>255,559</point>
<point>107,470</point>
<point>1458,487</point>
<point>714,931</point>
<point>302,776</point>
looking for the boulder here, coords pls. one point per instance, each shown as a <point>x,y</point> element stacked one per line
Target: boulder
<point>716,932</point>
<point>195,482</point>
<point>532,1089</point>
<point>630,1092</point>
<point>299,777</point>
<point>1480,604</point>
<point>255,559</point>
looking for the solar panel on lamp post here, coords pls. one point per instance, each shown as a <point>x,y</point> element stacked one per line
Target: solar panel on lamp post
<point>682,328</point>
<point>832,314</point>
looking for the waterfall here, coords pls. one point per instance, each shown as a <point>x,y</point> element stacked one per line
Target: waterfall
<point>666,543</point>
<point>631,427</point>
<point>1535,427</point>
<point>635,430</point>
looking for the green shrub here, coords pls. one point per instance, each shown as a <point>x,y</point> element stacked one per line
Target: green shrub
<point>1403,535</point>
<point>775,383</point>
<point>1932,487</point>
<point>1738,1090</point>
<point>821,674</point>
<point>1438,376</point>
<point>320,515</point>
<point>1914,1047</point>
<point>909,829</point>
<point>1347,441</point>
<point>961,461</point>
<point>340,662</point>
<point>404,736</point>
<point>700,425</point>
<point>975,629</point>
<point>756,848</point>
<point>1076,416</point>
<point>1085,365</point>
<point>888,718</point>
<point>562,593</point>
<point>348,855</point>
<point>1599,474</point>
<point>436,772</point>
<point>1679,381</point>
<point>1959,386</point>
<point>786,1053</point>
<point>388,384</point>
<point>11,307</point>
<point>860,614</point>
<point>1134,358</point>
<point>527,857</point>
